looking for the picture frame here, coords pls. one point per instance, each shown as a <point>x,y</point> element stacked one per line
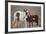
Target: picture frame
<point>22,3</point>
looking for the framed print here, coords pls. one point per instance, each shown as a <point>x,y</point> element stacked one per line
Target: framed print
<point>23,16</point>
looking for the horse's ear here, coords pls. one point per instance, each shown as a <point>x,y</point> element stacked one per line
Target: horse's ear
<point>25,10</point>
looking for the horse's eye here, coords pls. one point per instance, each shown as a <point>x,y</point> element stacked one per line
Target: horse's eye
<point>26,13</point>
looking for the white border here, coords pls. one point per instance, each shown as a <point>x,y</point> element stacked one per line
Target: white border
<point>23,29</point>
